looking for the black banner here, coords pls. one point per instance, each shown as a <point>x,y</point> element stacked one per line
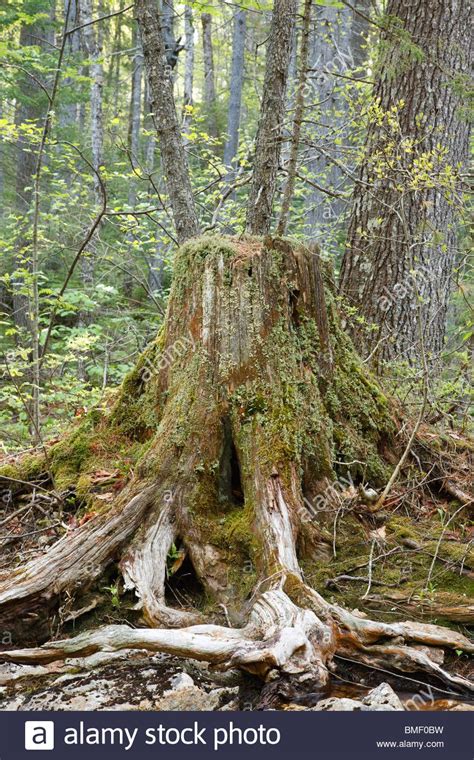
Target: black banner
<point>232,735</point>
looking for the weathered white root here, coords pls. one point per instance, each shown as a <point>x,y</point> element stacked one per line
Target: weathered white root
<point>275,527</point>
<point>279,636</point>
<point>408,659</point>
<point>77,559</point>
<point>291,629</point>
<point>404,646</point>
<point>144,570</point>
<point>370,631</point>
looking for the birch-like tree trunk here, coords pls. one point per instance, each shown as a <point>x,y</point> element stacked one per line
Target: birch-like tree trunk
<point>209,74</point>
<point>173,156</point>
<point>92,41</point>
<point>269,133</point>
<point>331,56</point>
<point>136,98</point>
<point>297,122</point>
<point>188,98</point>
<point>69,113</point>
<point>401,246</point>
<point>235,96</point>
<point>134,133</point>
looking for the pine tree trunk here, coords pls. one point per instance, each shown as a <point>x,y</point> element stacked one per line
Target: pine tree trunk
<point>401,245</point>
<point>269,133</point>
<point>173,156</point>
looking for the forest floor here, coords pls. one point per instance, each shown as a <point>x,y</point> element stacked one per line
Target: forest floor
<point>136,680</point>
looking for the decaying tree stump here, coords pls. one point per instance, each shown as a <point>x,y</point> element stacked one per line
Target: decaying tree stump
<point>244,404</point>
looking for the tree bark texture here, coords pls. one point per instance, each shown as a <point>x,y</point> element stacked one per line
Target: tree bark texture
<point>299,102</point>
<point>401,245</point>
<point>173,156</point>
<point>210,99</point>
<point>235,95</point>
<point>269,133</point>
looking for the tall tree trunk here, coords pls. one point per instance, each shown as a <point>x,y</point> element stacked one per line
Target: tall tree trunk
<point>210,100</point>
<point>172,46</point>
<point>113,75</point>
<point>173,156</point>
<point>69,112</point>
<point>134,136</point>
<point>29,109</point>
<point>268,140</point>
<point>135,99</point>
<point>331,57</point>
<point>401,245</point>
<point>297,122</point>
<point>236,85</point>
<point>155,261</point>
<point>188,99</point>
<point>92,40</point>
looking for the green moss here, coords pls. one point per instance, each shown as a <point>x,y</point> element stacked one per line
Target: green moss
<point>402,527</point>
<point>27,468</point>
<point>234,532</point>
<point>400,578</point>
<point>136,412</point>
<point>189,260</point>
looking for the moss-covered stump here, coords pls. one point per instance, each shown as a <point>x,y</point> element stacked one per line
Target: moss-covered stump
<point>242,413</point>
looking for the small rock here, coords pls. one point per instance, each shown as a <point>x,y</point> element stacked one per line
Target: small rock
<point>181,681</point>
<point>334,704</point>
<point>187,698</point>
<point>194,698</point>
<point>410,543</point>
<point>382,697</point>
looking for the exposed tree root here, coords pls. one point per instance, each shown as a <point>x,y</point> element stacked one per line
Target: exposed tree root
<point>280,637</point>
<point>75,561</point>
<point>144,569</point>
